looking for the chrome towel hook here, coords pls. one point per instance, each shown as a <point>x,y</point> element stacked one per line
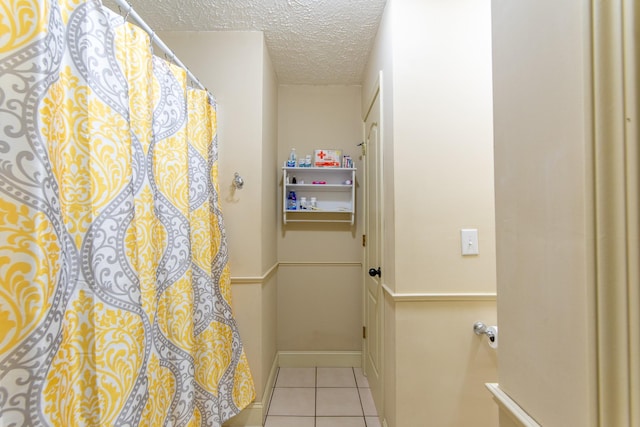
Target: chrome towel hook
<point>238,182</point>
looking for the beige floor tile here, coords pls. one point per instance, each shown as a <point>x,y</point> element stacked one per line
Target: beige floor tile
<point>372,421</point>
<point>293,401</point>
<point>366,398</point>
<point>340,422</point>
<point>361,380</point>
<point>338,402</point>
<point>279,421</point>
<point>336,377</point>
<point>296,377</point>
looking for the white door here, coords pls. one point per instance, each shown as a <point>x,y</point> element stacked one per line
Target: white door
<point>373,303</point>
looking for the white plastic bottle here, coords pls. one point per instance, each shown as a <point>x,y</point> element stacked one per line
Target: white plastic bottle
<point>293,158</point>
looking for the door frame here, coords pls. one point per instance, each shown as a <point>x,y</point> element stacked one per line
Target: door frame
<point>616,67</point>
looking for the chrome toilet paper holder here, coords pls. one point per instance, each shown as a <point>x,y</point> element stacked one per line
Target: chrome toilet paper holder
<point>480,328</point>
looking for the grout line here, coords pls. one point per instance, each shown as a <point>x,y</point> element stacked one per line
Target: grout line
<point>355,379</point>
<point>360,397</point>
<point>273,392</point>
<point>315,403</point>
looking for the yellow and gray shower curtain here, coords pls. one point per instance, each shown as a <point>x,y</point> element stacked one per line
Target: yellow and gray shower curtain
<point>114,283</point>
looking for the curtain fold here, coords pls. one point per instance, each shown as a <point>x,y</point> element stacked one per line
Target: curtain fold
<point>115,305</point>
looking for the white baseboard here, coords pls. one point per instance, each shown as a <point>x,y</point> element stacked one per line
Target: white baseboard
<point>325,359</point>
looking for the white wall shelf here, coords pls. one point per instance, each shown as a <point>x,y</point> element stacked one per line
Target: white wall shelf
<point>335,199</point>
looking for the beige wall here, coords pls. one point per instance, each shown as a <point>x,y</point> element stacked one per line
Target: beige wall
<point>437,127</point>
<point>442,366</point>
<point>390,382</point>
<point>236,68</point>
<point>319,307</point>
<point>507,420</point>
<point>268,320</point>
<point>544,208</point>
<point>269,180</point>
<point>319,287</point>
<point>443,144</point>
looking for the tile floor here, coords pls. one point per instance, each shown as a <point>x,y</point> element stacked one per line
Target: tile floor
<point>321,397</point>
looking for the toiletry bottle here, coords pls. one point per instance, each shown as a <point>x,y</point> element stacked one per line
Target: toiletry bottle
<point>292,202</point>
<point>292,158</point>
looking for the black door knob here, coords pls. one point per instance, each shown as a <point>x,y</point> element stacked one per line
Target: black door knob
<point>375,272</point>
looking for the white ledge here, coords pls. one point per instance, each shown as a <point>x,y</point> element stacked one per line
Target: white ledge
<point>254,280</point>
<point>509,406</point>
<point>439,296</point>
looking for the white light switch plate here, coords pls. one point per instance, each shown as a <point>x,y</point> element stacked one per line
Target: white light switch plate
<point>469,241</point>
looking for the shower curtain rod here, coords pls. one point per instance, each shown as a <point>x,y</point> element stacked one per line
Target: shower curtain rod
<point>156,40</point>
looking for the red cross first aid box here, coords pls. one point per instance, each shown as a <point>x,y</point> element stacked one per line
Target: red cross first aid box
<point>327,158</point>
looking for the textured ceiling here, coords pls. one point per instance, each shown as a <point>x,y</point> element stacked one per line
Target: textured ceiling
<point>310,41</point>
